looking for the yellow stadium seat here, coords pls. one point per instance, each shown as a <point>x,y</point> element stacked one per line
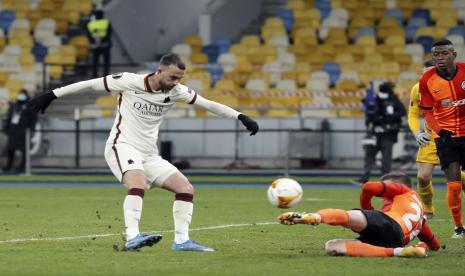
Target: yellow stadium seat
<point>446,21</point>
<point>14,86</point>
<point>56,70</point>
<point>3,78</point>
<point>382,33</point>
<point>395,40</point>
<point>199,58</point>
<point>366,40</point>
<point>81,43</point>
<point>250,40</point>
<point>425,31</point>
<point>387,22</point>
<point>195,41</point>
<point>295,5</point>
<point>344,58</point>
<point>438,13</point>
<point>269,32</point>
<point>26,60</point>
<point>273,22</point>
<point>307,18</point>
<point>85,7</point>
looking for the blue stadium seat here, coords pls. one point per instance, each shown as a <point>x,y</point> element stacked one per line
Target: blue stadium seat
<point>216,71</point>
<point>410,32</point>
<point>417,22</point>
<point>426,42</point>
<point>365,31</point>
<point>288,18</point>
<point>6,18</point>
<point>395,13</point>
<point>39,51</point>
<point>422,13</point>
<point>456,30</point>
<point>334,71</point>
<point>212,51</point>
<point>223,43</point>
<point>324,6</point>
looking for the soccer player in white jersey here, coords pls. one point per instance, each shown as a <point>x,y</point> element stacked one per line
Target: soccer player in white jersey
<point>131,150</point>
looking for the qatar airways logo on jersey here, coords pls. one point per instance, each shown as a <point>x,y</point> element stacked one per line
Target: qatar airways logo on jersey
<point>148,109</point>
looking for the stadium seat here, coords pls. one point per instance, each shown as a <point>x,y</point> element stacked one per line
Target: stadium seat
<point>257,87</point>
<point>295,5</point>
<point>287,87</point>
<point>456,39</point>
<point>223,43</point>
<point>395,13</point>
<point>183,50</point>
<point>228,61</point>
<point>216,72</point>
<point>287,17</point>
<point>281,42</point>
<point>212,51</point>
<point>324,6</point>
<point>422,13</point>
<point>195,42</point>
<point>249,40</point>
<point>39,51</point>
<point>426,42</point>
<point>457,30</point>
<point>81,42</point>
<point>334,70</point>
<point>6,19</point>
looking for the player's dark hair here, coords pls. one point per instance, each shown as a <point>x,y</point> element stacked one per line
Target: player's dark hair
<point>428,63</point>
<point>442,42</point>
<point>398,177</point>
<point>172,59</point>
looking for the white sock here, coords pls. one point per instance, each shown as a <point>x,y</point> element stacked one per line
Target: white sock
<point>182,215</point>
<point>132,212</point>
<point>397,251</point>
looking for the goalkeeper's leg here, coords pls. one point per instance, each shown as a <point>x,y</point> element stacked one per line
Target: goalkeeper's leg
<point>355,248</point>
<point>425,187</point>
<point>353,219</point>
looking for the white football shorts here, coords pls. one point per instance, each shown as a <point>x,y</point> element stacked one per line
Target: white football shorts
<point>124,157</point>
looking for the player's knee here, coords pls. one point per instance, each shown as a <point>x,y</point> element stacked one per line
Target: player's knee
<point>334,248</point>
<point>424,177</point>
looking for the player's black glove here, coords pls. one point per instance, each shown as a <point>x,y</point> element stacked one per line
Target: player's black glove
<point>446,136</point>
<point>41,102</point>
<point>249,123</point>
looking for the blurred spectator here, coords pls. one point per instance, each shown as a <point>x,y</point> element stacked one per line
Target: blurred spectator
<point>99,32</point>
<point>19,118</point>
<point>383,121</point>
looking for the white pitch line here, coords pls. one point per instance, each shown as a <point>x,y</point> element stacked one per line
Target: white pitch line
<point>109,235</point>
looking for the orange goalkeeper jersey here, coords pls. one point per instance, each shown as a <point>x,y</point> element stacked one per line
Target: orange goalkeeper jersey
<point>403,205</point>
<point>446,99</point>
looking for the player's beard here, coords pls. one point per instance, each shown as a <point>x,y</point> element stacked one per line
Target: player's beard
<point>166,87</point>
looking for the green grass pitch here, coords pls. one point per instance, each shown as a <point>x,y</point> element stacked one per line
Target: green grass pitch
<point>78,231</point>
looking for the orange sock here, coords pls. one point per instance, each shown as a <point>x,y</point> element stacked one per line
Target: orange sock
<point>360,249</point>
<point>454,201</point>
<point>334,216</point>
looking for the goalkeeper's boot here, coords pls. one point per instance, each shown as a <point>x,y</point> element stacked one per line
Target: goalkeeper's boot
<point>291,218</point>
<point>459,233</point>
<point>142,240</point>
<point>413,252</point>
<point>190,245</point>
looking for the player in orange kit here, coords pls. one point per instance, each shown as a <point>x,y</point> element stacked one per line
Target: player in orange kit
<point>442,99</point>
<point>384,233</point>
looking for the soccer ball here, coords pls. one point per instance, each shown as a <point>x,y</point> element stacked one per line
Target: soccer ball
<point>284,192</point>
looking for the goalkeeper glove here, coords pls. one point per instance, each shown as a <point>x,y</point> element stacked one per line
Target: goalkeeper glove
<point>41,102</point>
<point>422,138</point>
<point>249,123</point>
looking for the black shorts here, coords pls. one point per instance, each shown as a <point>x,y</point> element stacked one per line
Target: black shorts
<point>451,152</point>
<point>381,230</point>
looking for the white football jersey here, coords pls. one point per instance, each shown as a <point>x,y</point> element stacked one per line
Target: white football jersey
<point>141,110</point>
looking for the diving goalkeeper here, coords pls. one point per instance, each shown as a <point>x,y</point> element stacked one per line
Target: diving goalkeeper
<point>384,233</point>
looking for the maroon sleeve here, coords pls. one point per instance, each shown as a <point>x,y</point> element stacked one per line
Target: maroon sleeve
<point>427,236</point>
